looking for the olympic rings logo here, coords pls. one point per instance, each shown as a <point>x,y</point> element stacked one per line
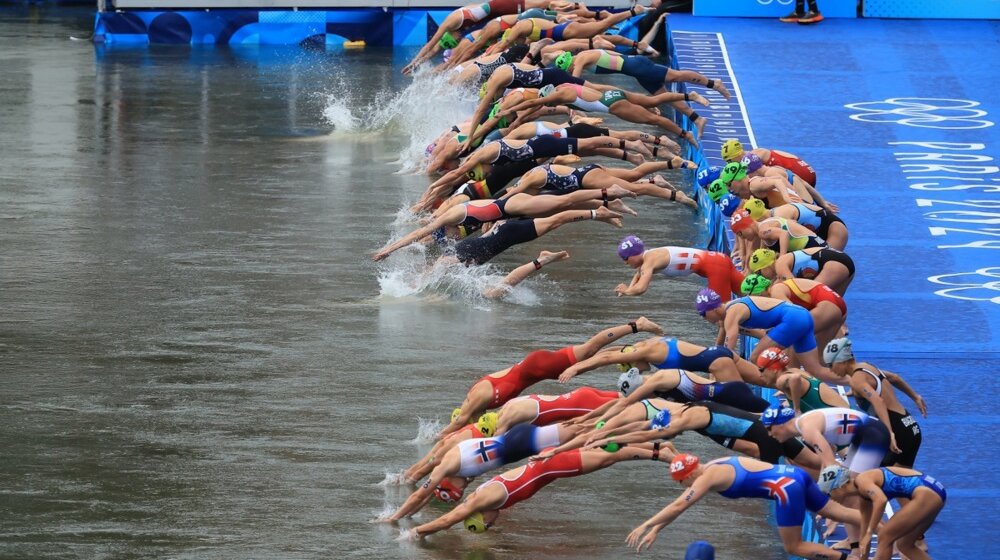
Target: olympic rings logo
<point>767,2</point>
<point>923,112</point>
<point>975,289</point>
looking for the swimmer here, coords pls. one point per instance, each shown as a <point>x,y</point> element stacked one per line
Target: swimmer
<point>874,391</point>
<point>632,107</point>
<point>805,392</point>
<point>922,498</point>
<point>487,422</point>
<point>673,262</point>
<point>680,386</point>
<point>585,127</point>
<point>826,225</point>
<point>483,67</point>
<point>670,353</point>
<point>790,487</point>
<point>828,429</point>
<point>505,234</point>
<point>788,235</point>
<point>535,29</point>
<point>756,168</point>
<point>824,265</point>
<point>787,325</point>
<point>473,457</point>
<point>481,509</point>
<point>564,179</point>
<point>827,307</point>
<point>732,150</point>
<point>776,191</point>
<point>477,212</point>
<point>651,76</point>
<point>543,410</point>
<point>521,273</point>
<point>496,389</point>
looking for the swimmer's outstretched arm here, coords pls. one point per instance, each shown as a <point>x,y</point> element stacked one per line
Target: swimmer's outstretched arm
<point>594,362</point>
<point>448,218</point>
<point>898,382</point>
<point>873,502</point>
<point>640,282</point>
<point>731,325</point>
<point>523,272</point>
<point>645,535</point>
<point>592,416</point>
<point>651,34</point>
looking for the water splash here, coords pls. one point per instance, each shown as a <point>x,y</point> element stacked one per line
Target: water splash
<point>427,431</point>
<point>387,510</point>
<point>393,479</point>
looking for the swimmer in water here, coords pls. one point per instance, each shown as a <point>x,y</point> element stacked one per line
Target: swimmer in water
<point>787,325</point>
<point>496,389</point>
<point>732,150</point>
<point>535,29</point>
<point>564,179</point>
<point>480,510</point>
<point>523,272</point>
<point>543,410</point>
<point>791,488</point>
<point>673,262</point>
<point>921,497</point>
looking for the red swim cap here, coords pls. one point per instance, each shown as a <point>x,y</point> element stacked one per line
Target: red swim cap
<point>740,221</point>
<point>448,492</point>
<point>682,466</point>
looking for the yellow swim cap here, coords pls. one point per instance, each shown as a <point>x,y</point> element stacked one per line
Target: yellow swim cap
<point>487,424</point>
<point>482,90</point>
<point>476,523</point>
<point>455,413</point>
<point>477,173</point>
<point>756,208</point>
<point>761,259</point>
<point>732,150</point>
<point>625,366</point>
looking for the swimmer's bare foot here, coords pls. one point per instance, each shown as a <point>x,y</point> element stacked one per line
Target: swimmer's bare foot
<point>637,146</point>
<point>619,206</point>
<point>594,121</point>
<point>635,159</point>
<point>644,48</point>
<point>618,191</point>
<point>566,159</point>
<point>678,195</point>
<point>700,125</point>
<point>547,257</point>
<point>670,144</point>
<point>605,215</point>
<point>721,88</point>
<point>840,545</point>
<point>698,98</point>
<point>602,43</point>
<point>645,325</point>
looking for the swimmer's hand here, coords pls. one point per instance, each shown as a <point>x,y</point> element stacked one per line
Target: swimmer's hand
<point>892,444</point>
<point>541,457</point>
<point>832,207</point>
<point>565,376</point>
<point>620,289</point>
<point>636,539</point>
<point>380,256</point>
<point>921,406</point>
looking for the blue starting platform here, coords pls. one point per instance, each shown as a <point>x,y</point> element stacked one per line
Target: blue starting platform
<point>899,120</point>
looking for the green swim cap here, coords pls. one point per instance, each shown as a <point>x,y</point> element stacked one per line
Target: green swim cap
<point>733,171</point>
<point>448,41</point>
<point>502,122</point>
<point>611,447</point>
<point>755,284</point>
<point>718,190</point>
<point>564,61</point>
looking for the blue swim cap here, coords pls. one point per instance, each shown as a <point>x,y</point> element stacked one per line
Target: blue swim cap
<point>661,420</point>
<point>700,550</point>
<point>729,204</point>
<point>776,415</point>
<point>708,174</point>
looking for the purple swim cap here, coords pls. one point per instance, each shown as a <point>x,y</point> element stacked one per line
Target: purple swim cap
<point>753,162</point>
<point>630,247</point>
<point>729,204</point>
<point>707,300</point>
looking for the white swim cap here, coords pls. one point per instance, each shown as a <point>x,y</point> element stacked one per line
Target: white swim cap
<point>833,477</point>
<point>629,381</point>
<point>838,350</point>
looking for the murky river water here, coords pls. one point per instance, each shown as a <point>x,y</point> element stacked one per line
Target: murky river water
<point>198,357</point>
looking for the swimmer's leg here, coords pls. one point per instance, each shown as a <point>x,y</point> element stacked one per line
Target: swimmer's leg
<point>692,77</point>
<point>523,272</point>
<point>545,225</point>
<point>607,336</point>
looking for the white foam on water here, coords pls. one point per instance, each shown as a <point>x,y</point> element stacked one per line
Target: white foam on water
<point>393,479</point>
<point>427,431</point>
<point>387,510</point>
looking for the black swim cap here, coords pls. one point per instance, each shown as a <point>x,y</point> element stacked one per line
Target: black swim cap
<point>515,53</point>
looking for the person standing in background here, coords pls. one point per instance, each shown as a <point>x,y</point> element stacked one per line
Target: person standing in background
<point>801,16</point>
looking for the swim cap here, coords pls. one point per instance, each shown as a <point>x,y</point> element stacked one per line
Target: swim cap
<point>682,466</point>
<point>707,300</point>
<point>545,90</point>
<point>446,55</point>
<point>476,174</point>
<point>448,492</point>
<point>754,284</point>
<point>773,359</point>
<point>448,41</point>
<point>455,414</point>
<point>439,236</point>
<point>832,477</point>
<point>611,446</point>
<point>761,259</point>
<point>564,61</point>
<point>776,415</point>
<point>732,149</point>
<point>430,149</point>
<point>752,161</point>
<point>476,523</point>
<point>838,350</point>
<point>629,381</point>
<point>482,90</point>
<point>700,550</point>
<point>625,366</point>
<point>630,246</point>
<point>708,174</point>
<point>729,204</point>
<point>487,424</point>
<point>733,171</point>
<point>515,53</point>
<point>740,221</point>
<point>717,190</point>
<point>756,207</point>
<point>660,421</point>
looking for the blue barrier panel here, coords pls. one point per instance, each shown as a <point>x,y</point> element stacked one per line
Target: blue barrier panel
<point>941,9</point>
<point>773,8</point>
